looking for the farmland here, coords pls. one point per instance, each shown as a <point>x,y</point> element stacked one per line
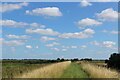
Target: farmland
<point>14,68</point>
<point>56,69</point>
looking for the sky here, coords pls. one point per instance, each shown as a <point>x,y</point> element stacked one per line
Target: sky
<point>50,30</point>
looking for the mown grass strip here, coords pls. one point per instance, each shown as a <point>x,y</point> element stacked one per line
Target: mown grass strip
<point>74,71</point>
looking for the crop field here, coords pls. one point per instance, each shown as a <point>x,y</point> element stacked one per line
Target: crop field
<point>64,69</point>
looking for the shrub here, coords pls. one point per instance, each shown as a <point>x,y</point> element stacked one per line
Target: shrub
<point>114,61</point>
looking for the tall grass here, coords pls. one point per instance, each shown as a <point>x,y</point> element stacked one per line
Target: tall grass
<point>51,71</point>
<point>95,71</point>
<point>11,70</point>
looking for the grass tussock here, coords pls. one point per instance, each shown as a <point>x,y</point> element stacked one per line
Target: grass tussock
<point>51,71</point>
<point>95,71</point>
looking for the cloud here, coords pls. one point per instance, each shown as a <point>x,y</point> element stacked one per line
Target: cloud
<point>47,31</point>
<point>36,25</point>
<point>14,42</point>
<point>83,46</point>
<point>10,7</point>
<point>28,46</point>
<point>73,46</point>
<point>95,43</point>
<point>67,47</point>
<point>88,22</point>
<point>108,15</point>
<point>114,32</point>
<point>53,44</point>
<point>17,37</point>
<point>85,3</point>
<point>12,23</point>
<point>64,49</point>
<point>56,49</point>
<point>80,35</point>
<point>111,32</point>
<point>107,44</point>
<point>48,11</point>
<point>45,38</point>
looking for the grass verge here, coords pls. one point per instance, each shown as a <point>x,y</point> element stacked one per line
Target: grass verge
<point>11,70</point>
<point>51,71</point>
<point>95,71</point>
<point>74,71</point>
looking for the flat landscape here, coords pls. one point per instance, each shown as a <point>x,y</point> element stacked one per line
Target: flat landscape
<point>56,69</point>
<point>75,39</point>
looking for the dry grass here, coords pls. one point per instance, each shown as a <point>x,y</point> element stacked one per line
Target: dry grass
<point>51,71</point>
<point>95,71</point>
<point>11,70</point>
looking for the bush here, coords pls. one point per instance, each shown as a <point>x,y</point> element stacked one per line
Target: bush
<point>114,61</point>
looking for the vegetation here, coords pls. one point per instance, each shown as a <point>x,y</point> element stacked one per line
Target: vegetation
<point>96,71</point>
<point>61,68</point>
<point>74,71</point>
<point>51,71</point>
<point>114,61</point>
<point>29,61</point>
<point>13,67</point>
<point>11,70</point>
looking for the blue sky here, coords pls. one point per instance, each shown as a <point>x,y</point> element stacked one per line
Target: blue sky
<point>50,30</point>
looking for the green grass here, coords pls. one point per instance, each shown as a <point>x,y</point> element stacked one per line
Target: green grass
<point>74,71</point>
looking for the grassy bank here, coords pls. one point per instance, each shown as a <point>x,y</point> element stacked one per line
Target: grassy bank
<point>74,71</point>
<point>11,70</point>
<point>95,71</point>
<point>51,71</point>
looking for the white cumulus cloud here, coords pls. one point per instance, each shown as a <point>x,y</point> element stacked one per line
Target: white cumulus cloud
<point>108,15</point>
<point>88,22</point>
<point>85,3</point>
<point>111,32</point>
<point>47,31</point>
<point>53,44</point>
<point>12,23</point>
<point>45,38</point>
<point>47,11</point>
<point>28,46</point>
<point>17,37</point>
<point>14,42</point>
<point>84,34</point>
<point>107,44</point>
<point>5,7</point>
